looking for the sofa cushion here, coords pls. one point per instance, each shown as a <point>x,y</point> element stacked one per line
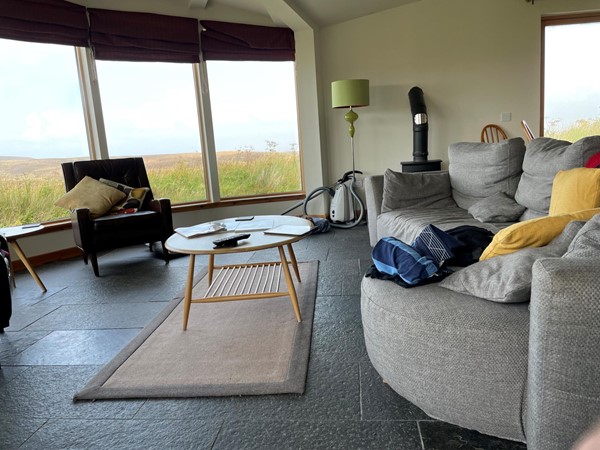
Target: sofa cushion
<point>497,208</point>
<point>405,190</point>
<point>586,244</point>
<point>479,170</point>
<point>93,195</point>
<point>575,190</point>
<point>406,224</point>
<point>543,159</point>
<point>507,279</point>
<point>532,233</point>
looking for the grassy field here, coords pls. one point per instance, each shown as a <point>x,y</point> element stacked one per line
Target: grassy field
<point>29,187</point>
<point>580,129</point>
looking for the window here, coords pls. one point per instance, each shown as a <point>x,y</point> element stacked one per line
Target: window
<point>255,124</point>
<point>571,108</point>
<point>150,110</point>
<point>41,125</point>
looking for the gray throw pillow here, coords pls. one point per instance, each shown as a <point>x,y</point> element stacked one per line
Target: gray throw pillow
<point>586,244</point>
<point>421,189</point>
<point>497,208</point>
<point>507,278</point>
<point>543,159</point>
<point>479,170</point>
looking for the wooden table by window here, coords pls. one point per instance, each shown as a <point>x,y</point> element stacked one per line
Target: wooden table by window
<point>12,234</point>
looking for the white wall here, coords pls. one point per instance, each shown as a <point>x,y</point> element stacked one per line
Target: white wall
<point>473,59</point>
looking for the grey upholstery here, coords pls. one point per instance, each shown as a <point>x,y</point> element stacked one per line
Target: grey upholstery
<point>499,207</point>
<point>563,391</point>
<point>543,159</point>
<point>479,170</point>
<point>494,367</point>
<point>460,359</point>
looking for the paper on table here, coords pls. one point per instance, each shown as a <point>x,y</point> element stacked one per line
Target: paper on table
<point>290,230</point>
<point>199,230</point>
<point>253,225</point>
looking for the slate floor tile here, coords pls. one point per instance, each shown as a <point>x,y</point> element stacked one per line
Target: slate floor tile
<point>12,343</point>
<point>102,316</point>
<point>47,392</point>
<point>380,402</point>
<point>341,338</point>
<point>8,373</point>
<point>445,436</point>
<point>337,308</point>
<point>332,393</point>
<point>14,431</point>
<point>25,315</point>
<point>75,347</point>
<point>124,434</point>
<point>331,435</point>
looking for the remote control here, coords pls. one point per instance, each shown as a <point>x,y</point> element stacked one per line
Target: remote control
<point>230,241</point>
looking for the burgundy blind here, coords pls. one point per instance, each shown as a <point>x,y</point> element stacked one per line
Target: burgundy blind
<point>47,21</point>
<point>239,42</point>
<point>132,36</point>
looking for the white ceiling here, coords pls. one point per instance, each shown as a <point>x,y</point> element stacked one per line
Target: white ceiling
<point>320,12</point>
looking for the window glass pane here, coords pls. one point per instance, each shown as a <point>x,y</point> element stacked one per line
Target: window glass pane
<point>256,127</point>
<point>150,110</point>
<point>571,81</point>
<point>41,125</point>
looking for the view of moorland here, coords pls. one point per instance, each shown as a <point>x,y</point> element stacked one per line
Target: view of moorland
<point>581,128</point>
<point>29,186</point>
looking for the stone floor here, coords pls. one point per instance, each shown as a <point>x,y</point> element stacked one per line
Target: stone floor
<point>57,341</point>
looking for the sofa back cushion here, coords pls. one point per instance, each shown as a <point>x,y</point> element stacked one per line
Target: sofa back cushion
<point>544,158</point>
<point>479,170</point>
<point>424,189</point>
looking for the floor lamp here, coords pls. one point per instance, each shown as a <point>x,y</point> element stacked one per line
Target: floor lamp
<point>351,94</point>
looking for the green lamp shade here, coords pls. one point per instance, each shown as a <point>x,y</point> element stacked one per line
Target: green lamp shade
<point>349,93</point>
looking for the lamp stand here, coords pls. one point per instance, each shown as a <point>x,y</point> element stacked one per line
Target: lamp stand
<point>351,117</point>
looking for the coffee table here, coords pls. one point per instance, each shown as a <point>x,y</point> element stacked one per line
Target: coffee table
<point>242,281</point>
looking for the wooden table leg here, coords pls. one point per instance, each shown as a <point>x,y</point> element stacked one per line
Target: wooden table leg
<point>211,266</point>
<point>187,299</point>
<point>26,263</point>
<point>290,283</point>
<point>294,262</point>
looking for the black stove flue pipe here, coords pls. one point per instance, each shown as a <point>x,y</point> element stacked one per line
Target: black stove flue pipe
<point>420,123</point>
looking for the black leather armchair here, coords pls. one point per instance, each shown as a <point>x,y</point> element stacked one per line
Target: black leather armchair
<point>5,294</point>
<point>152,223</point>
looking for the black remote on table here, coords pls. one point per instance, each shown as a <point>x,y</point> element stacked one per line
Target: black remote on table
<point>230,241</point>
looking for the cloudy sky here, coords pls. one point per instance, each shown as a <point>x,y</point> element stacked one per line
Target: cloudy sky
<point>149,108</point>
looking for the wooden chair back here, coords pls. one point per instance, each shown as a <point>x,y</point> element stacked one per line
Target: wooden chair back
<point>492,133</point>
<point>529,136</point>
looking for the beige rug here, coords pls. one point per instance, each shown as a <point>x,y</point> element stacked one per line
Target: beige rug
<point>230,348</point>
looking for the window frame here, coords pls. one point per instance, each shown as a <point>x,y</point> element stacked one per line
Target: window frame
<point>554,20</point>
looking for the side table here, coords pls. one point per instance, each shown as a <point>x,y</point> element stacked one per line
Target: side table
<point>12,235</point>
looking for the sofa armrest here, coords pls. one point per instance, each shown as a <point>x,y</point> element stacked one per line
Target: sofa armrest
<point>374,196</point>
<point>163,206</point>
<point>563,392</point>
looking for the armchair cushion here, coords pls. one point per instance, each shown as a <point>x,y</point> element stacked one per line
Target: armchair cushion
<point>424,189</point>
<point>135,197</point>
<point>93,195</point>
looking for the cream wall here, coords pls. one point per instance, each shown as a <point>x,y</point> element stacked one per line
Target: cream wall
<point>473,59</point>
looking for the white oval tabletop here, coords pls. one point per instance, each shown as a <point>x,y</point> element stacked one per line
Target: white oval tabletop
<point>258,239</point>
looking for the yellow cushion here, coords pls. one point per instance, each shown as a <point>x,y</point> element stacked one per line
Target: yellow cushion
<point>91,194</point>
<point>532,233</point>
<point>575,190</point>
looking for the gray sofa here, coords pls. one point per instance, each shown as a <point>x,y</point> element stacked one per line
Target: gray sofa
<point>522,370</point>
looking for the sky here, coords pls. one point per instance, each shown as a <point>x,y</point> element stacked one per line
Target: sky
<point>572,81</point>
<point>149,108</point>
